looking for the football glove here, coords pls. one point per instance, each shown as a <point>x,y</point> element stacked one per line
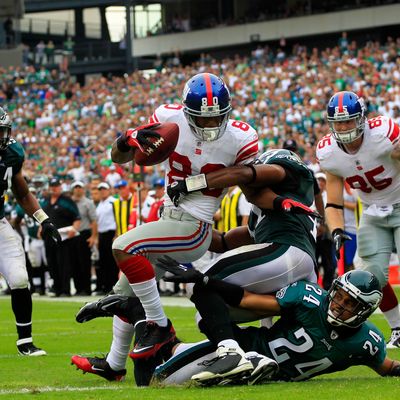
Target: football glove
<point>138,138</point>
<point>50,233</point>
<point>180,273</point>
<point>176,191</point>
<point>292,206</point>
<point>339,237</point>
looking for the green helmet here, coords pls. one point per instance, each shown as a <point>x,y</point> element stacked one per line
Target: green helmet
<point>361,286</point>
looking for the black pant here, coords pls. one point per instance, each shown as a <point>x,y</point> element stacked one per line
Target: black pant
<point>324,251</point>
<point>60,261</point>
<point>107,273</point>
<point>82,262</point>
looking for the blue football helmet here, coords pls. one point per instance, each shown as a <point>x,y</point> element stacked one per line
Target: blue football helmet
<point>5,129</point>
<point>364,288</point>
<point>206,95</point>
<point>345,106</point>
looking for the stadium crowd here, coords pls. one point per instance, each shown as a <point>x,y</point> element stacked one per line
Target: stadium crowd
<point>67,130</point>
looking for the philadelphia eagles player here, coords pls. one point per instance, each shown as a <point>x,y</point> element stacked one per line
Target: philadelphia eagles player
<point>319,332</point>
<point>276,249</point>
<point>12,255</point>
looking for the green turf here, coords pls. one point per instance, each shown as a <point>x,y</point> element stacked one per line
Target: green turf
<point>53,377</point>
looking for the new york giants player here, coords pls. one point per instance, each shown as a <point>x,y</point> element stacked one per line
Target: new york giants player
<point>208,141</point>
<point>365,153</point>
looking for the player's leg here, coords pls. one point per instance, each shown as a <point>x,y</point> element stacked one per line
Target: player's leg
<point>13,268</point>
<point>375,243</point>
<point>389,297</point>
<point>262,268</point>
<point>184,239</point>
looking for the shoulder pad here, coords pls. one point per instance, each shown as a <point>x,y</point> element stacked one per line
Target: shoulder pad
<point>166,112</point>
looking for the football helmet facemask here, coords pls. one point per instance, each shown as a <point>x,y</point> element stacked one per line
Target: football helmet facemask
<point>363,288</point>
<point>346,106</point>
<point>206,95</point>
<point>5,129</point>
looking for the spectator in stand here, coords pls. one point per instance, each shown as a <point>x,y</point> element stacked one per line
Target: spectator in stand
<point>124,208</point>
<point>113,177</point>
<point>107,272</point>
<point>49,51</point>
<point>40,47</point>
<point>83,243</point>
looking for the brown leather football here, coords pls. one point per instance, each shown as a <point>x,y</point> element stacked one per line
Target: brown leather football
<point>169,132</point>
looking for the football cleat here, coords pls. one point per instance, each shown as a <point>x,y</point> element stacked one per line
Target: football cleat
<point>90,311</point>
<point>265,368</point>
<point>394,341</point>
<point>154,337</point>
<point>229,366</point>
<point>98,366</point>
<point>27,348</point>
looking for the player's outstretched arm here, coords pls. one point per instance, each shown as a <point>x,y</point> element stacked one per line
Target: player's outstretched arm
<point>389,368</point>
<point>335,202</point>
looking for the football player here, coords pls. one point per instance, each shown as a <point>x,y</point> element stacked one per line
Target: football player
<point>318,332</point>
<point>365,153</point>
<point>12,254</point>
<point>277,247</point>
<point>208,140</point>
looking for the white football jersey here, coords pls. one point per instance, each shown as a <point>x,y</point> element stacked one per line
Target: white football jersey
<point>238,145</point>
<point>371,171</point>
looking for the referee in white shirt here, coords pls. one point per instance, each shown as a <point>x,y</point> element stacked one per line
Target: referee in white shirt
<point>107,273</point>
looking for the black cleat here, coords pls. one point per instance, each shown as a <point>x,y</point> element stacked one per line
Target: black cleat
<point>265,368</point>
<point>90,311</point>
<point>394,341</point>
<point>98,366</point>
<point>154,337</point>
<point>27,348</point>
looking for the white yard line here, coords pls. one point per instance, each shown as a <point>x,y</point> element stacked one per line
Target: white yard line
<point>47,389</point>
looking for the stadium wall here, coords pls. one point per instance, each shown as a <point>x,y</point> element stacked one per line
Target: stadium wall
<point>372,17</point>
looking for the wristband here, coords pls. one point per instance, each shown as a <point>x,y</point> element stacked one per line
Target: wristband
<point>333,205</point>
<point>196,182</point>
<point>253,170</point>
<point>40,216</point>
<point>223,240</point>
<point>277,203</point>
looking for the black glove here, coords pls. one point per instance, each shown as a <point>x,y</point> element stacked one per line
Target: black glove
<point>176,190</point>
<point>138,138</point>
<point>181,274</point>
<point>50,233</point>
<point>339,237</point>
<point>293,206</point>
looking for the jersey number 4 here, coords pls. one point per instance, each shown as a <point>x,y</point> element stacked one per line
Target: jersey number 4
<point>359,182</point>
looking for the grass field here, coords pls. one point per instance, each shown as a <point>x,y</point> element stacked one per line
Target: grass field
<point>53,377</point>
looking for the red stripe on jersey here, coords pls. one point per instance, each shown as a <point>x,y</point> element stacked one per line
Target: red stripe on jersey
<point>251,152</point>
<point>340,102</point>
<point>395,134</point>
<point>390,128</point>
<point>154,116</point>
<point>244,148</point>
<point>209,92</point>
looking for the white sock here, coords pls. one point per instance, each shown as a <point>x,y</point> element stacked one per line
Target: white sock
<point>122,339</point>
<point>149,297</point>
<point>393,317</point>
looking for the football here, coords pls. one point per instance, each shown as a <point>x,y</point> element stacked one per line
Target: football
<point>169,132</point>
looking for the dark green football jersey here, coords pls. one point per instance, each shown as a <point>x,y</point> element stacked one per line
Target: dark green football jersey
<point>305,344</point>
<point>31,223</point>
<point>11,161</point>
<point>297,230</point>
